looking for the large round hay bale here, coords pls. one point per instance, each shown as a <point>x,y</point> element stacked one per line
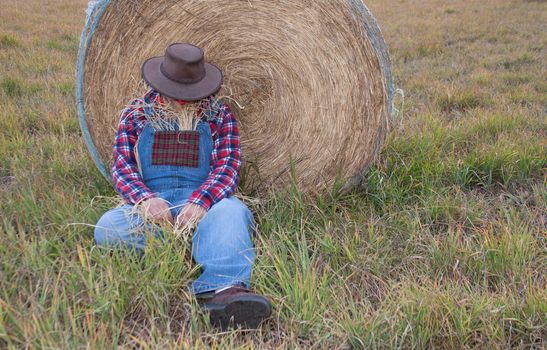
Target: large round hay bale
<point>312,79</point>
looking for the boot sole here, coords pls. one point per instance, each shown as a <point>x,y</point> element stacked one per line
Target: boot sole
<point>246,311</point>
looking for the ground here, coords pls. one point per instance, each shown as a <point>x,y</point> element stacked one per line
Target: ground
<point>444,247</point>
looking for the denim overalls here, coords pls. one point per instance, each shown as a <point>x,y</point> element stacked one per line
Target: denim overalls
<point>222,239</point>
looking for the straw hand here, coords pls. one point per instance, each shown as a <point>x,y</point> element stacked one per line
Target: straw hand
<point>157,210</point>
<point>189,216</point>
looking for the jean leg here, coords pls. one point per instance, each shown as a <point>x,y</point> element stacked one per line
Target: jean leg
<point>118,227</point>
<point>222,246</point>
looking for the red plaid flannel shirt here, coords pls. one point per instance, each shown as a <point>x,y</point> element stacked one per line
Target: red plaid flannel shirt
<point>225,158</point>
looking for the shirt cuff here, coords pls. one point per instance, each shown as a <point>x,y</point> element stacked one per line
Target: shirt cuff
<point>141,196</point>
<point>201,201</point>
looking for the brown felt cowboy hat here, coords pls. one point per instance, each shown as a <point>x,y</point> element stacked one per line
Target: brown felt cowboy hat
<point>182,73</point>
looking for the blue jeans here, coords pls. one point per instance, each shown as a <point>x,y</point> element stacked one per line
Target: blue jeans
<point>221,242</point>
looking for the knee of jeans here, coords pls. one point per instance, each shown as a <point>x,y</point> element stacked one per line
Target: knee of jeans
<point>229,224</point>
<point>231,208</point>
<point>110,226</point>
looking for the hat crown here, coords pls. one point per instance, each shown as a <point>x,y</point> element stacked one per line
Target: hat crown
<point>182,73</point>
<point>183,63</point>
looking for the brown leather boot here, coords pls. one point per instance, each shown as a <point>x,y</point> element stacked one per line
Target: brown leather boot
<point>237,306</point>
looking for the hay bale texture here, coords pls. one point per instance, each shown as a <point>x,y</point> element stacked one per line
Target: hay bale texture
<point>312,77</point>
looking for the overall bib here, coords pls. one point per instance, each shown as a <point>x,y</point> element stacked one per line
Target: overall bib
<point>173,164</point>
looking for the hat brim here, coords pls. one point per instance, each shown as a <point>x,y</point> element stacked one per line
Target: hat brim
<point>210,84</point>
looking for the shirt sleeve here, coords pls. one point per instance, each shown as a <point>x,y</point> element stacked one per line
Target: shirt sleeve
<point>223,179</point>
<point>125,174</point>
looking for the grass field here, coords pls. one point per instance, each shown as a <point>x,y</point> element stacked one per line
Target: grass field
<point>443,248</point>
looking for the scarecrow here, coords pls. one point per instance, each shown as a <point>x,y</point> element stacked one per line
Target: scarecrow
<point>176,160</point>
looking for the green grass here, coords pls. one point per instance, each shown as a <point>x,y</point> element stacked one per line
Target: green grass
<point>460,102</point>
<point>68,43</point>
<point>442,247</point>
<point>15,88</point>
<point>8,41</point>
